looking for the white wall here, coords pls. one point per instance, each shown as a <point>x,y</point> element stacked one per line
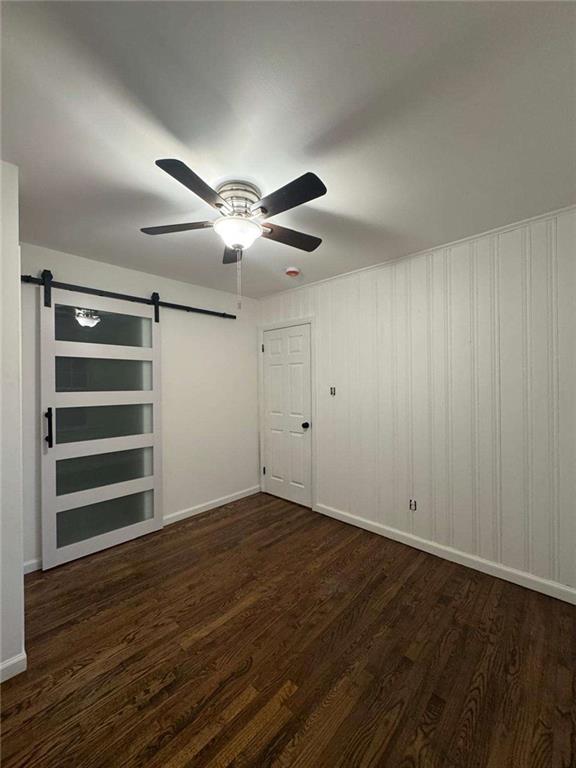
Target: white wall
<point>209,389</point>
<point>12,654</point>
<point>455,376</point>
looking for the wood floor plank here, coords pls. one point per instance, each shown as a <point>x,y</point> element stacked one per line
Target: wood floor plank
<point>262,634</point>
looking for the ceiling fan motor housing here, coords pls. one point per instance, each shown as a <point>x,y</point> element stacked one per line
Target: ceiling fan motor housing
<point>240,196</point>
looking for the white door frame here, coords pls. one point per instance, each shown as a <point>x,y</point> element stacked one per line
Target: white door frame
<point>52,504</point>
<point>313,404</point>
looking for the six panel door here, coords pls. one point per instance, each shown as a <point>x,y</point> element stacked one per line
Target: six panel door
<point>287,411</point>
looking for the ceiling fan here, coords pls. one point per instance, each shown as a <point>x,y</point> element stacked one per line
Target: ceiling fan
<point>242,209</point>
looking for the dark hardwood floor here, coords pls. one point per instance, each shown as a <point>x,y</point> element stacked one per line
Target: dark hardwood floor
<point>263,634</point>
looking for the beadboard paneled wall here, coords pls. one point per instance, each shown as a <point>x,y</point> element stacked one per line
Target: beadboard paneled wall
<point>455,382</point>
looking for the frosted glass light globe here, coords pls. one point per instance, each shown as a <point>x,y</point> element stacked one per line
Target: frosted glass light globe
<point>237,232</point>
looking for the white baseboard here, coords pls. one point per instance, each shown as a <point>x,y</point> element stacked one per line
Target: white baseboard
<point>13,666</point>
<point>32,565</point>
<point>182,514</point>
<point>524,579</point>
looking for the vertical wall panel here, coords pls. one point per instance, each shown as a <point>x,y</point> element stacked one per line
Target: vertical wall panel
<point>462,506</point>
<point>564,244</point>
<point>323,430</point>
<point>339,488</point>
<point>353,405</point>
<point>309,307</point>
<point>422,518</point>
<point>364,402</point>
<point>455,375</point>
<point>400,516</point>
<point>386,361</point>
<point>298,308</point>
<point>439,357</point>
<point>510,266</point>
<point>540,403</point>
<point>485,394</point>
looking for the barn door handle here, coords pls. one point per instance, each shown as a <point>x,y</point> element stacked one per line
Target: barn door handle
<point>305,424</point>
<point>50,436</point>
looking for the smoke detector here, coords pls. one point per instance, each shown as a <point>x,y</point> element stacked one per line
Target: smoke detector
<point>292,271</point>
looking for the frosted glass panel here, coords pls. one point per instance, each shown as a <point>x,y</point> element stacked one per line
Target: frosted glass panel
<point>95,374</point>
<point>112,328</point>
<point>85,472</point>
<point>97,422</point>
<point>83,523</point>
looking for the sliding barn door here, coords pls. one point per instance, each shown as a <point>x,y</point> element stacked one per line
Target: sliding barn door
<point>101,460</point>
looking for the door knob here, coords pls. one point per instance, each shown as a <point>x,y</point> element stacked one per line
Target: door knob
<point>305,424</point>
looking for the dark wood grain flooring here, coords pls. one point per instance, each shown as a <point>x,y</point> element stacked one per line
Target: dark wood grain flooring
<point>263,634</point>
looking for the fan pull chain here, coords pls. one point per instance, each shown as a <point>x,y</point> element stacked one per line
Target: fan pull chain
<point>238,281</point>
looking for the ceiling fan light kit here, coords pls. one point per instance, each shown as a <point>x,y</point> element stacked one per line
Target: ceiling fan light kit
<point>241,208</point>
<point>238,232</point>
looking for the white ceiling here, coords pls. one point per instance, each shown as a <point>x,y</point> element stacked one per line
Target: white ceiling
<point>427,122</point>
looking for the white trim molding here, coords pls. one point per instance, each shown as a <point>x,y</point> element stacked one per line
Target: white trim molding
<point>32,565</point>
<point>182,514</point>
<point>522,578</point>
<point>13,666</point>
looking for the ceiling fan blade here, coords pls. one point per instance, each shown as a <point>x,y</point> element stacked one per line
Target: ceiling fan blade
<point>180,171</point>
<point>231,256</point>
<point>302,190</point>
<point>176,228</point>
<point>291,237</point>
